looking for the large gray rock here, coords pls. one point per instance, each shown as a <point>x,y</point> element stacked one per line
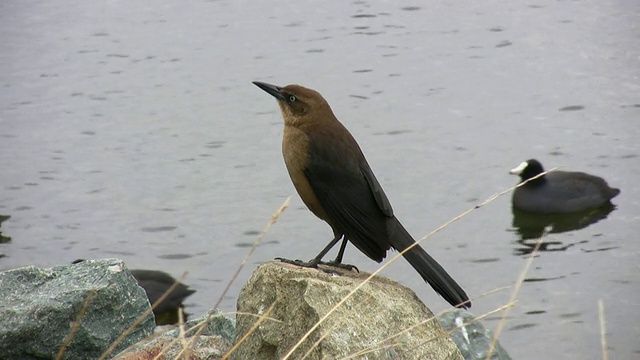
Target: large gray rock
<point>39,307</point>
<point>213,342</point>
<point>383,320</point>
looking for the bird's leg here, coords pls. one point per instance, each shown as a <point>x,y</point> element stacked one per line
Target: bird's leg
<point>338,260</point>
<point>313,263</point>
<point>343,246</point>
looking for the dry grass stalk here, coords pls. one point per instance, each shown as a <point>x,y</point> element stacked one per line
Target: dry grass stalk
<point>388,341</point>
<point>273,220</point>
<point>76,324</point>
<point>317,343</point>
<point>142,317</point>
<point>514,294</point>
<point>262,318</point>
<point>603,330</point>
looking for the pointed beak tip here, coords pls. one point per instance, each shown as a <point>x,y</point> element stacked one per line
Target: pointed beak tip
<point>273,90</point>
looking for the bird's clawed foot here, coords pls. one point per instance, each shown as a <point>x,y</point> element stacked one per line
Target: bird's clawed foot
<point>334,263</point>
<point>313,263</point>
<point>308,264</point>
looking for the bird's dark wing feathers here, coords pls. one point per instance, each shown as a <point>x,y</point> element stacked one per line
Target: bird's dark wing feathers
<point>580,186</point>
<point>354,207</point>
<point>347,193</point>
<point>376,190</point>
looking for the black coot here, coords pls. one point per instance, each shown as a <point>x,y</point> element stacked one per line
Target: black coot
<point>559,191</point>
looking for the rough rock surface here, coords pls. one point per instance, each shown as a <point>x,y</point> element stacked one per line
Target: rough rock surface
<point>382,320</point>
<point>213,342</point>
<point>40,306</point>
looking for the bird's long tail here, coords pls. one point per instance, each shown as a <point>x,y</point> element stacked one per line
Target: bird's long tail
<point>427,266</point>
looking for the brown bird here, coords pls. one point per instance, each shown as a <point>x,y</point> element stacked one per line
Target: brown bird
<point>334,180</point>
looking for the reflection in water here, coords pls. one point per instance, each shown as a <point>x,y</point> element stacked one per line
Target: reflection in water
<point>530,227</point>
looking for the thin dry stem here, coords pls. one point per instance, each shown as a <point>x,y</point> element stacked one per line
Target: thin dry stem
<point>169,290</point>
<point>273,220</point>
<point>253,328</point>
<point>181,338</point>
<point>384,342</point>
<point>327,333</point>
<point>181,321</point>
<point>387,341</point>
<point>603,330</point>
<point>490,292</point>
<point>142,317</point>
<point>250,314</point>
<point>322,319</point>
<point>76,324</point>
<point>514,294</point>
<point>184,335</point>
<point>505,307</point>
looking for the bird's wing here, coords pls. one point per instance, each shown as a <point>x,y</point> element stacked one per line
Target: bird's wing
<point>376,190</point>
<point>578,186</point>
<point>352,198</point>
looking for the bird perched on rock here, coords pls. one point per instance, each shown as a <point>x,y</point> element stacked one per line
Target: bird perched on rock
<point>334,180</point>
<point>559,192</point>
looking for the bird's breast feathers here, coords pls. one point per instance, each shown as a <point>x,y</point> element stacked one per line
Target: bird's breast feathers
<point>295,145</point>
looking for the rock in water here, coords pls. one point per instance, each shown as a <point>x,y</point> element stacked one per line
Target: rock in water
<point>471,337</point>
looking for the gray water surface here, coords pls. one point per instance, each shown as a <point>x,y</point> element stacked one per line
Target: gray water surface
<point>131,129</point>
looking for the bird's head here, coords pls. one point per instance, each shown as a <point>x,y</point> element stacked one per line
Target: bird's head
<point>299,105</point>
<point>528,169</point>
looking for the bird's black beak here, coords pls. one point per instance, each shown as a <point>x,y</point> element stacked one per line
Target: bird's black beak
<point>275,91</point>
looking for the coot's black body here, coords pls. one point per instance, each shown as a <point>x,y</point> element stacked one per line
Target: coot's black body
<point>559,192</point>
<point>155,283</point>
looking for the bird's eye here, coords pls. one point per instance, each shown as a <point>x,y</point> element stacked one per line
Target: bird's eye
<point>292,98</point>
